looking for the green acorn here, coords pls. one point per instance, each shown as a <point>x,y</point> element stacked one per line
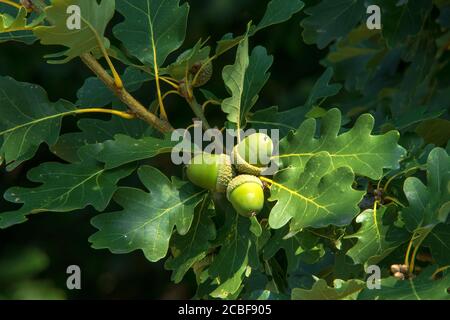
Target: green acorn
<point>251,154</point>
<point>204,71</point>
<point>246,194</point>
<point>210,171</point>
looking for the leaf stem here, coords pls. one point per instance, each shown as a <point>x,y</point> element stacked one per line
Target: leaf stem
<point>208,102</point>
<point>16,29</point>
<point>433,276</point>
<point>169,81</point>
<point>125,96</point>
<point>396,201</point>
<point>122,114</point>
<point>11,3</point>
<point>396,175</point>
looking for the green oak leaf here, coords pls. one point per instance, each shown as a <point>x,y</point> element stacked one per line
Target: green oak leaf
<point>147,219</point>
<point>330,20</point>
<point>94,17</point>
<point>364,153</point>
<point>65,187</point>
<point>125,149</point>
<point>375,239</point>
<point>97,131</point>
<point>191,248</point>
<point>94,93</point>
<point>152,28</point>
<point>28,119</point>
<point>428,204</point>
<point>317,196</point>
<point>256,77</point>
<point>234,77</point>
<point>420,288</point>
<point>279,11</point>
<point>341,290</point>
<point>229,266</point>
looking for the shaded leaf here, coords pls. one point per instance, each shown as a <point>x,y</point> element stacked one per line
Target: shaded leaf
<point>420,288</point>
<point>187,59</point>
<point>152,28</point>
<point>439,243</point>
<point>279,11</point>
<point>192,247</point>
<point>428,204</point>
<point>94,92</point>
<point>330,20</point>
<point>341,290</point>
<point>271,118</point>
<point>323,89</point>
<point>230,264</point>
<point>376,238</point>
<point>402,19</point>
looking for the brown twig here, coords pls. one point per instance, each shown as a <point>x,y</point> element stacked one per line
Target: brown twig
<point>124,96</point>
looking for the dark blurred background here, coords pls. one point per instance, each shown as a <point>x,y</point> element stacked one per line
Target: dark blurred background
<point>34,255</point>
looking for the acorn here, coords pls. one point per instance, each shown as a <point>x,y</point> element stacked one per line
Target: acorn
<point>404,268</point>
<point>399,276</point>
<point>395,268</point>
<point>246,194</point>
<point>253,153</point>
<point>204,70</point>
<point>210,171</point>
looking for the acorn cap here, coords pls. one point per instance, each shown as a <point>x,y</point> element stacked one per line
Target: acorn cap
<point>241,179</point>
<point>226,173</point>
<point>243,166</point>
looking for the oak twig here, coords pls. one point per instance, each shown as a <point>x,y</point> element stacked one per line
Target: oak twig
<point>124,96</point>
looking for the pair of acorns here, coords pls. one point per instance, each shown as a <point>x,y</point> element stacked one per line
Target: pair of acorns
<point>216,173</point>
<point>400,271</point>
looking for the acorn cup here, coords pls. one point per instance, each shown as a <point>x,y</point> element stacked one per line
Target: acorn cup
<point>252,154</point>
<point>210,171</point>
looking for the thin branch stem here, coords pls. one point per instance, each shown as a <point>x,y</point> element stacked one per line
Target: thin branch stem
<point>134,105</point>
<point>198,112</point>
<point>208,102</point>
<point>169,81</point>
